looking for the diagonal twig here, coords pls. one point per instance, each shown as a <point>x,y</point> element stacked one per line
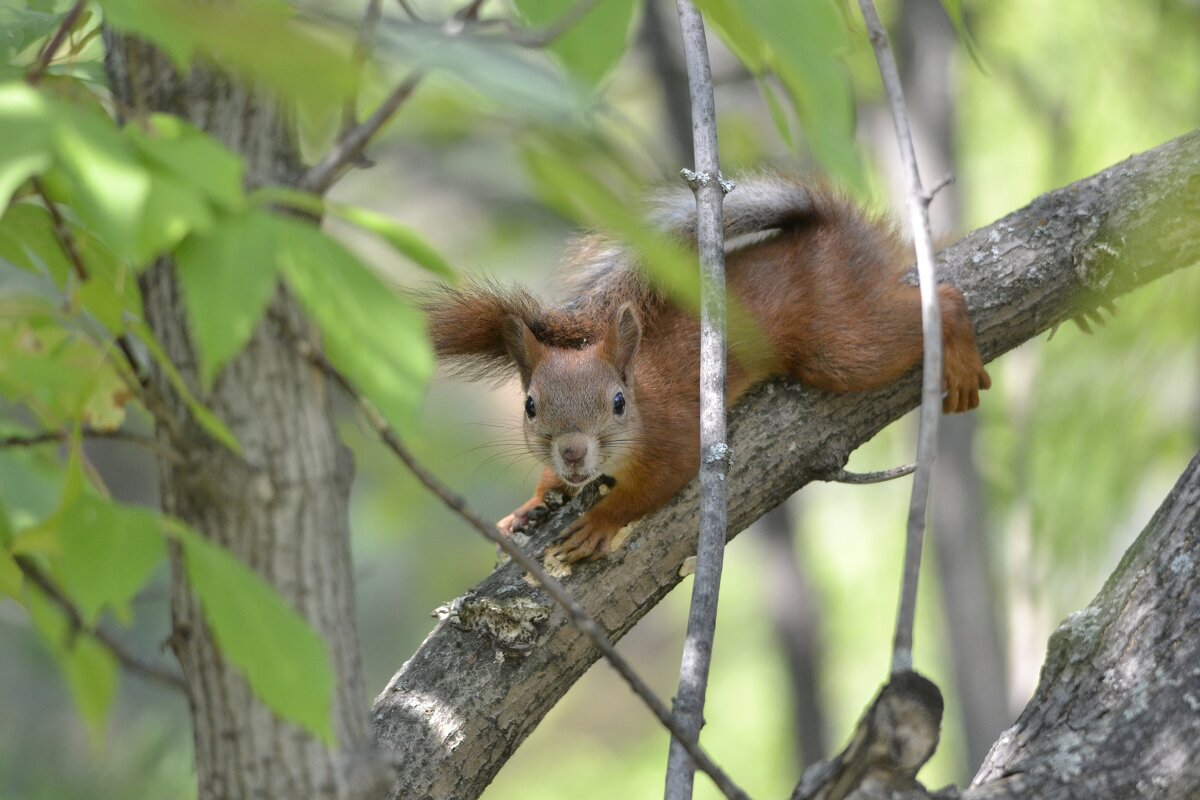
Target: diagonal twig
<point>131,661</point>
<point>931,326</point>
<point>39,67</point>
<point>350,146</point>
<point>578,615</point>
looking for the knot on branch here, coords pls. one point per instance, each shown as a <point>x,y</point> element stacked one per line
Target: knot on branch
<point>895,737</point>
<point>512,619</point>
<point>1098,255</point>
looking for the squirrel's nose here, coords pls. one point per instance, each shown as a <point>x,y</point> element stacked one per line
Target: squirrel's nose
<point>573,454</point>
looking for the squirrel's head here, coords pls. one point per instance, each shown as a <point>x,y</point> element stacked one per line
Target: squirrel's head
<point>580,411</point>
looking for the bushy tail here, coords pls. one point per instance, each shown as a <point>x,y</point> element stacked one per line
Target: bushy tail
<point>598,265</point>
<point>469,325</point>
<point>759,203</point>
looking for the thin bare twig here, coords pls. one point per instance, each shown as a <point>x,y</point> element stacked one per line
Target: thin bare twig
<point>39,67</point>
<point>54,437</point>
<point>131,661</point>
<point>350,146</point>
<point>709,189</point>
<point>61,232</point>
<point>579,617</point>
<point>931,326</point>
<point>842,476</point>
<point>523,37</point>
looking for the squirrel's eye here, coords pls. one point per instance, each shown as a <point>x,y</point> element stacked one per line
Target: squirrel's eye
<point>619,404</point>
<point>530,406</point>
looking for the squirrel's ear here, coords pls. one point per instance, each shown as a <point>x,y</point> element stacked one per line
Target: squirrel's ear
<point>622,340</point>
<point>524,348</point>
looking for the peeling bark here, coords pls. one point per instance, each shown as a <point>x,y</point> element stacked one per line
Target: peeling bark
<point>462,704</point>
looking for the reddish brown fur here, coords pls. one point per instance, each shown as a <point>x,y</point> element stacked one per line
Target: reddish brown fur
<point>826,292</point>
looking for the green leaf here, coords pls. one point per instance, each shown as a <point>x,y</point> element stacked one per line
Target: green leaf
<point>497,73</point>
<point>90,670</point>
<point>283,659</point>
<point>108,553</point>
<point>374,337</point>
<point>207,419</point>
<point>177,148</point>
<point>6,531</point>
<point>28,241</point>
<point>404,239</point>
<point>21,27</point>
<point>593,46</point>
<point>173,210</point>
<point>799,41</point>
<point>11,579</point>
<point>778,114</point>
<point>260,40</point>
<point>228,276</point>
<point>954,10</point>
<point>24,133</point>
<point>98,174</point>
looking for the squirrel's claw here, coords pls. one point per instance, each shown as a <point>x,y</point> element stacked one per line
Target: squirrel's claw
<point>964,378</point>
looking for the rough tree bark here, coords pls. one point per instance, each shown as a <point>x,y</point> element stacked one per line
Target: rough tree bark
<point>502,655</point>
<point>1115,713</point>
<point>283,506</point>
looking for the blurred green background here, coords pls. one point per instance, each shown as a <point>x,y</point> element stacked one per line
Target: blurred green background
<point>1074,447</point>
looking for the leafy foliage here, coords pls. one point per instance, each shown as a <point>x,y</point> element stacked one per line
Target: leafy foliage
<point>108,202</point>
<point>590,49</point>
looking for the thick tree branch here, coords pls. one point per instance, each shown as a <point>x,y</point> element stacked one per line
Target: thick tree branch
<point>458,711</point>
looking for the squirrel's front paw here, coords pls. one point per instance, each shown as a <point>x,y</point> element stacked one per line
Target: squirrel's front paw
<point>586,539</point>
<point>520,519</point>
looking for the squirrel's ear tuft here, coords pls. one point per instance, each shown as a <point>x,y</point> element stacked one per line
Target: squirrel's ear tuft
<point>622,339</point>
<point>524,348</point>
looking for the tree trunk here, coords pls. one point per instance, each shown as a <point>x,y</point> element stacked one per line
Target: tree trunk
<point>282,506</point>
<point>503,655</point>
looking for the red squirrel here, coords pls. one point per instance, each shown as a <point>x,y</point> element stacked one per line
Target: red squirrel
<point>611,378</point>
